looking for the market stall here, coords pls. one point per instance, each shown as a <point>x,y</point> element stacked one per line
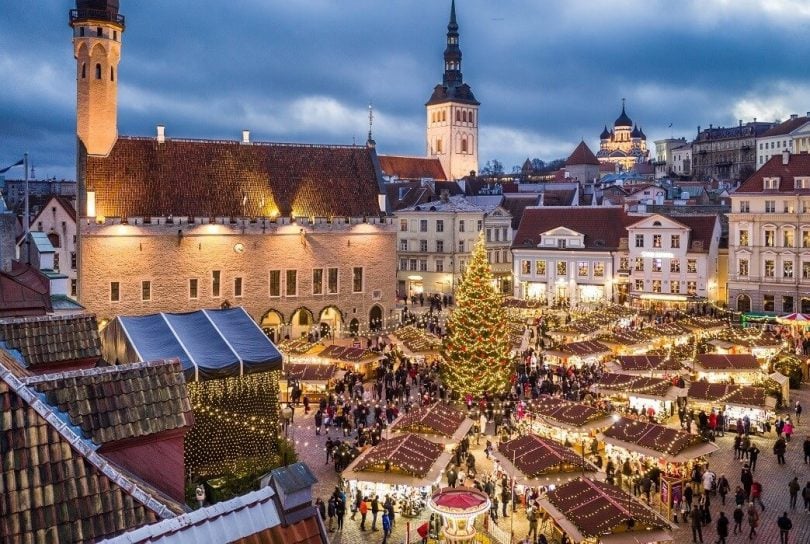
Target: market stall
<point>717,368</point>
<point>438,422</point>
<point>702,326</point>
<point>358,360</point>
<point>626,342</point>
<point>640,394</point>
<point>736,401</point>
<point>577,354</point>
<point>416,342</point>
<point>314,379</point>
<point>654,366</point>
<point>565,421</point>
<point>406,467</point>
<point>535,461</point>
<point>592,512</point>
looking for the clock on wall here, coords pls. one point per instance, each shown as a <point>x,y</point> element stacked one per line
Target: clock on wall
<point>239,248</point>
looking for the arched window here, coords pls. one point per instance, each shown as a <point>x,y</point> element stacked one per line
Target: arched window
<point>84,70</point>
<point>99,33</point>
<point>112,73</point>
<point>743,303</point>
<point>98,71</point>
<point>115,35</point>
<point>471,117</point>
<point>81,31</point>
<point>458,116</point>
<point>464,145</point>
<point>444,115</point>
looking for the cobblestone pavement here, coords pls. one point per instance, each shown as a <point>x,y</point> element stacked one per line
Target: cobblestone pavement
<point>774,479</point>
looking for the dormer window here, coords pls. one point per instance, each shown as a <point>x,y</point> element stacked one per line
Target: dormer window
<point>561,243</point>
<point>802,183</point>
<point>770,183</point>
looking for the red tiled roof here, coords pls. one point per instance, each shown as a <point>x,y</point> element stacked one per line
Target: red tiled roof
<point>785,127</point>
<point>24,291</point>
<point>702,229</point>
<point>798,166</point>
<point>56,489</point>
<point>582,155</point>
<point>46,341</point>
<point>602,227</point>
<point>411,167</point>
<point>716,361</point>
<point>197,178</point>
<point>114,403</point>
<point>516,204</point>
<point>559,197</point>
<point>535,456</point>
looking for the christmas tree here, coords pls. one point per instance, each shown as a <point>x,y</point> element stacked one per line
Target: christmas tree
<point>476,348</point>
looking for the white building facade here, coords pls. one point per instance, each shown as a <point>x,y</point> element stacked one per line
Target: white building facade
<point>792,135</point>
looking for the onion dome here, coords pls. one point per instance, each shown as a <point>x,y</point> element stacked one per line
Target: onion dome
<point>623,120</point>
<point>605,134</point>
<point>636,132</point>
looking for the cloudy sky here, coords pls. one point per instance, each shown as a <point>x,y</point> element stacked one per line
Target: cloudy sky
<point>546,72</point>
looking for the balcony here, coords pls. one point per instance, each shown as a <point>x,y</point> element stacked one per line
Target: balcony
<point>97,15</point>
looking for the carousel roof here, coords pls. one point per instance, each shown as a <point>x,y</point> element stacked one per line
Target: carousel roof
<point>536,456</point>
<point>570,413</point>
<point>716,361</point>
<point>589,509</point>
<point>437,418</point>
<point>656,440</point>
<point>741,395</point>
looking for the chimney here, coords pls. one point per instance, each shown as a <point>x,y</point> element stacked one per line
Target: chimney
<point>445,195</point>
<point>245,136</point>
<point>740,122</point>
<point>794,115</point>
<point>161,134</point>
<point>785,157</point>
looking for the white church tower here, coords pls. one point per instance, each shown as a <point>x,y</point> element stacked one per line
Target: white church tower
<point>452,114</point>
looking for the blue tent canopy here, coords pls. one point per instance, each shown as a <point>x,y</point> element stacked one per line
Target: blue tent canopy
<point>209,343</point>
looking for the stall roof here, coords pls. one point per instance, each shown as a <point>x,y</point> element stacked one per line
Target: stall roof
<point>535,456</point>
<point>569,414</point>
<point>631,363</point>
<point>438,419</point>
<point>209,343</point>
<point>639,385</point>
<point>348,354</point>
<point>714,361</point>
<point>655,440</point>
<point>580,349</point>
<point>587,509</point>
<point>739,395</point>
<point>310,372</point>
<point>412,461</point>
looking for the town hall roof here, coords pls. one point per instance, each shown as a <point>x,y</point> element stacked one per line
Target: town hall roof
<point>207,178</point>
<point>411,167</point>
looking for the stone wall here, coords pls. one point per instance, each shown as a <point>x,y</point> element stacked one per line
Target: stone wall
<point>169,253</point>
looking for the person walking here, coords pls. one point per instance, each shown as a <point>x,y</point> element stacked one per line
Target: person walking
<point>806,497</point>
<point>722,528</point>
<point>797,410</point>
<point>806,448</point>
<point>375,509</point>
<point>330,512</point>
<point>753,454</point>
<point>793,489</point>
<point>386,526</point>
<point>340,513</point>
<point>738,519</point>
<point>779,448</point>
<point>696,521</point>
<point>531,515</point>
<point>363,509</point>
<point>788,430</point>
<point>756,495</point>
<point>746,478</point>
<point>785,525</point>
<point>723,487</point>
<point>753,520</point>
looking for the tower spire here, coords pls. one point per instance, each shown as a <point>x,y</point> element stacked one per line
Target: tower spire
<point>370,142</point>
<point>452,53</point>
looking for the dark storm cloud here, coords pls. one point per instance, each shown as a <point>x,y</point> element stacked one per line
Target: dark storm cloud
<point>547,73</point>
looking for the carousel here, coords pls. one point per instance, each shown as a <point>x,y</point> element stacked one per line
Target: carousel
<point>458,508</point>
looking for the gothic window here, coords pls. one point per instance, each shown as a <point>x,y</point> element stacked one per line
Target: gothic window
<point>470,118</point>
<point>464,145</point>
<point>458,116</point>
<point>112,73</point>
<point>98,32</point>
<point>439,145</point>
<point>81,31</point>
<point>84,70</point>
<point>464,116</point>
<point>98,71</point>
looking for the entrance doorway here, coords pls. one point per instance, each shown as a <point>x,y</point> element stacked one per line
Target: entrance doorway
<point>744,303</point>
<point>375,318</point>
<point>301,322</point>
<point>331,320</point>
<point>272,324</point>
<point>354,327</point>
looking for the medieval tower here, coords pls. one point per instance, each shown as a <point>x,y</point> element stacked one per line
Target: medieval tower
<point>452,113</point>
<point>97,31</point>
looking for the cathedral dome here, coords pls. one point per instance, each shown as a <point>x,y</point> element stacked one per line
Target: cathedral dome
<point>605,134</point>
<point>636,132</point>
<point>623,120</point>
